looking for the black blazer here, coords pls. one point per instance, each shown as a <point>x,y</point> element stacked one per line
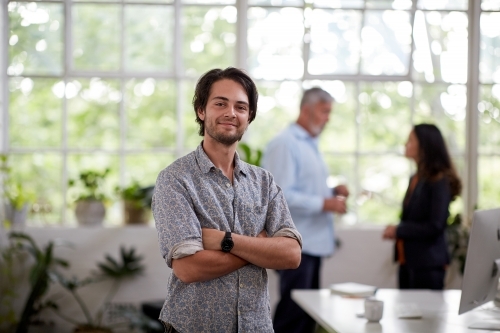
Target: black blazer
<point>423,224</point>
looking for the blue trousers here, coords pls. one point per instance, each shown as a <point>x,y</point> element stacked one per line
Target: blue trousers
<point>289,317</point>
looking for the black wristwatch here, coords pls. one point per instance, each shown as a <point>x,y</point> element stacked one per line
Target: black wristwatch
<point>227,242</point>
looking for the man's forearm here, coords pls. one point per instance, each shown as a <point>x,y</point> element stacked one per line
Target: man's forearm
<point>270,252</point>
<point>206,265</point>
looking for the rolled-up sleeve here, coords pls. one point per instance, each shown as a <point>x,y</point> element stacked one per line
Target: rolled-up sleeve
<point>179,231</point>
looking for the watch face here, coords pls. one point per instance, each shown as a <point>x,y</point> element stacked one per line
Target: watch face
<point>227,245</point>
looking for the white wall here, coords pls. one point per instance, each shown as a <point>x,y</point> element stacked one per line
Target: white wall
<point>363,257</point>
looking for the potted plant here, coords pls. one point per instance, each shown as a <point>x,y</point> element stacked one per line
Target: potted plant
<point>16,197</point>
<point>136,202</point>
<point>128,266</point>
<point>90,196</point>
<point>44,266</point>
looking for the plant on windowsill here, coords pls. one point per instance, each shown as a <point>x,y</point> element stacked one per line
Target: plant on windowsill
<point>457,234</point>
<point>136,202</point>
<point>16,198</point>
<point>90,197</point>
<point>128,266</point>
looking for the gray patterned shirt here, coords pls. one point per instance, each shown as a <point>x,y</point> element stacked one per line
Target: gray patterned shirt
<point>191,194</point>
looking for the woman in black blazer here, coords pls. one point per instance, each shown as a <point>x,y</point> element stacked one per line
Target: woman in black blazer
<point>420,243</point>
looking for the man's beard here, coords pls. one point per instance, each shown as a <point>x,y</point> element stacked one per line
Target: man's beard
<point>225,139</point>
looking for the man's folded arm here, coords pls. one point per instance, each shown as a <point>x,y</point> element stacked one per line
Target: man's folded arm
<point>205,265</point>
<point>283,251</point>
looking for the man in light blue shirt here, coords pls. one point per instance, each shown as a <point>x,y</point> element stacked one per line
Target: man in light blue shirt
<point>298,168</point>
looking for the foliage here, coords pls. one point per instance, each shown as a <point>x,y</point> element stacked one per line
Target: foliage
<point>135,193</point>
<point>249,155</point>
<point>14,192</point>
<point>127,266</point>
<point>458,239</point>
<point>90,184</point>
<point>45,266</point>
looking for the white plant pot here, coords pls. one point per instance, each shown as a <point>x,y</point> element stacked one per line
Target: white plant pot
<point>17,217</point>
<point>90,212</point>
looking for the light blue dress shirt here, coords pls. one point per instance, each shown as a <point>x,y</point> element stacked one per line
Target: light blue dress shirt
<point>298,168</point>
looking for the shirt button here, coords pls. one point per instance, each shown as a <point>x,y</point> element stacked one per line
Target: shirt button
<point>228,185</point>
<point>239,312</point>
<point>241,285</point>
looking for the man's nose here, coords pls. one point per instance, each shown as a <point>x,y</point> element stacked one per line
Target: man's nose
<point>230,112</point>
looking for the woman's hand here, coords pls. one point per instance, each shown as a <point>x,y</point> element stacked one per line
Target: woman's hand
<point>390,232</point>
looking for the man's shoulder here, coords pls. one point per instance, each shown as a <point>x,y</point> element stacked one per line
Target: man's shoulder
<point>181,166</point>
<point>285,137</point>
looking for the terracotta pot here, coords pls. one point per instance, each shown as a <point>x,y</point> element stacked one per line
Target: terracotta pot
<point>134,214</point>
<point>90,212</point>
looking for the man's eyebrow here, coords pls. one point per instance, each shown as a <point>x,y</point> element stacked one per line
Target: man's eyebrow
<point>227,100</point>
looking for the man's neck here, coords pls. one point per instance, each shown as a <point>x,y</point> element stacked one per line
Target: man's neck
<point>222,156</point>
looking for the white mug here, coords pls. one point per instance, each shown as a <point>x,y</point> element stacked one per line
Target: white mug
<point>374,309</point>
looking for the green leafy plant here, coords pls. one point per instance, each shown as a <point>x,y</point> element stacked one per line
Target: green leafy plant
<point>458,239</point>
<point>15,193</point>
<point>45,265</point>
<point>250,155</point>
<point>127,266</point>
<point>90,185</point>
<point>136,194</point>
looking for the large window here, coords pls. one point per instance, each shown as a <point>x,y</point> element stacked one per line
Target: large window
<point>108,84</point>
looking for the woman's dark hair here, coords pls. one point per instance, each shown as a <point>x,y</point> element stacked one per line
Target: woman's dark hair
<point>204,85</point>
<point>434,160</point>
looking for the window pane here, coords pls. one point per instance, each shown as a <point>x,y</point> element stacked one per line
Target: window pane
<point>40,175</point>
<point>278,108</point>
<point>389,4</point>
<point>339,3</point>
<point>149,38</point>
<point>96,37</point>
<point>335,44</point>
<point>150,113</point>
<point>443,4</point>
<point>444,106</point>
<point>144,168</point>
<point>209,38</point>
<point>383,183</point>
<point>489,66</point>
<point>93,120</point>
<point>489,119</point>
<point>191,127</point>
<point>339,134</point>
<point>488,184</point>
<point>35,38</point>
<point>210,2</point>
<point>275,43</point>
<point>95,162</point>
<point>384,122</point>
<point>35,112</point>
<point>276,2</point>
<point>490,5</point>
<point>440,46</point>
<point>386,42</point>
<point>342,171</point>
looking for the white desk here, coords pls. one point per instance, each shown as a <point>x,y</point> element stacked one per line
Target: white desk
<point>337,314</point>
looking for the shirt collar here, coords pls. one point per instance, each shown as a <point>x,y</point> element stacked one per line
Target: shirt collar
<point>301,133</point>
<point>206,164</point>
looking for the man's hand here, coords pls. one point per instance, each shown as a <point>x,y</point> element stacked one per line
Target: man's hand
<point>341,190</point>
<point>390,232</point>
<point>335,204</point>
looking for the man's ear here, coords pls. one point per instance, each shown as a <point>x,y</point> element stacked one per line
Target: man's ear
<point>201,114</point>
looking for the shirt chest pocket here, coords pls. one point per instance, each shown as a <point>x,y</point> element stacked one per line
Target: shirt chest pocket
<point>252,218</point>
